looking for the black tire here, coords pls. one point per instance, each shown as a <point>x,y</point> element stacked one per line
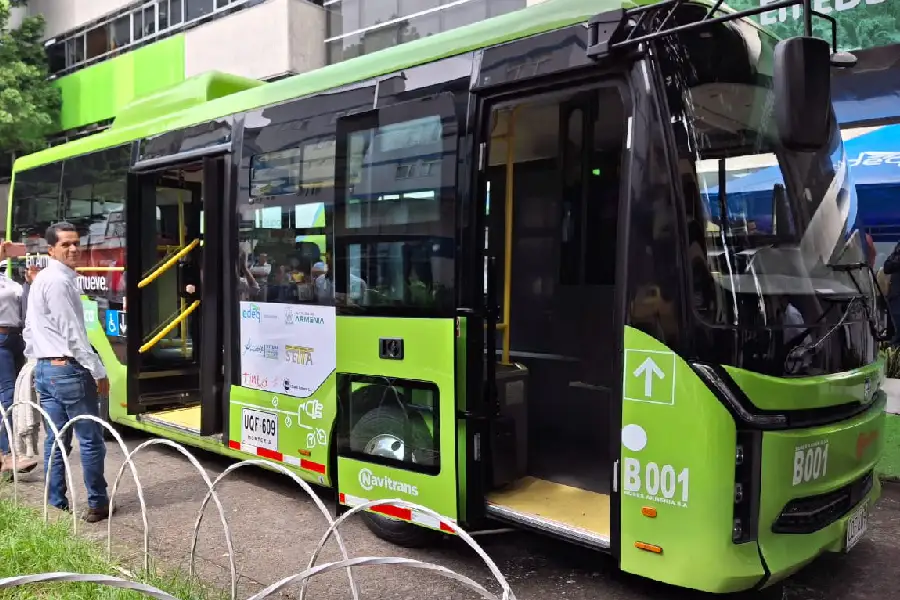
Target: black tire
<point>392,420</point>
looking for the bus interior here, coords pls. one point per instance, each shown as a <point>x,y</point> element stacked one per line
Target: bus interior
<point>169,323</point>
<point>552,215</point>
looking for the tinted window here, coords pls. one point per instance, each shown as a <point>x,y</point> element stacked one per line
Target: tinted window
<point>395,220</point>
<point>35,205</point>
<point>287,198</point>
<point>93,199</point>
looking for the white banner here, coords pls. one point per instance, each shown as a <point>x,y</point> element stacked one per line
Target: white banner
<point>287,348</point>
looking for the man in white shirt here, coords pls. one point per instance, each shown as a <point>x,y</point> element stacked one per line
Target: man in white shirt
<point>69,375</point>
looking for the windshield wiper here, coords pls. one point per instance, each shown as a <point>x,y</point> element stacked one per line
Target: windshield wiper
<point>872,318</point>
<point>799,351</point>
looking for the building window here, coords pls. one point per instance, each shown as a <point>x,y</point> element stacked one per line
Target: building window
<point>197,9</point>
<point>140,24</point>
<point>358,27</point>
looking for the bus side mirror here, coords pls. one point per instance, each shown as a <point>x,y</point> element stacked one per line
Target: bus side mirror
<point>802,93</point>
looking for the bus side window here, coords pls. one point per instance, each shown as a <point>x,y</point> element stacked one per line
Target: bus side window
<point>395,209</point>
<point>286,206</point>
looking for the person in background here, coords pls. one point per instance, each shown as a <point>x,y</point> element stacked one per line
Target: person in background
<point>69,376</point>
<point>892,270</point>
<point>261,271</point>
<point>12,357</point>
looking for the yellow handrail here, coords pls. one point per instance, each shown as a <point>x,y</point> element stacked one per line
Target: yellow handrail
<point>182,238</point>
<point>175,322</point>
<point>166,265</point>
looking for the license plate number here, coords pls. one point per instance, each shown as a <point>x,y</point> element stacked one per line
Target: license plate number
<point>259,428</point>
<point>856,526</point>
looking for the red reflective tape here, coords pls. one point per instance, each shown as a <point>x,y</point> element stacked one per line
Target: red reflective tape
<point>234,445</point>
<point>404,514</point>
<point>446,528</point>
<point>270,454</point>
<point>311,466</point>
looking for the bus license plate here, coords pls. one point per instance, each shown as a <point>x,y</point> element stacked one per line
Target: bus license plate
<point>259,429</point>
<point>856,526</point>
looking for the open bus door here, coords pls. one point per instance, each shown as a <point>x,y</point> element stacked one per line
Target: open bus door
<point>174,317</point>
<point>543,439</point>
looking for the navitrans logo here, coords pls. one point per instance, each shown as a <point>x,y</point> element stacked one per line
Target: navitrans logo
<point>369,481</point>
<point>252,313</point>
<point>294,316</point>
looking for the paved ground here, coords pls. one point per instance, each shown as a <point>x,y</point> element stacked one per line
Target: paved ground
<point>274,528</point>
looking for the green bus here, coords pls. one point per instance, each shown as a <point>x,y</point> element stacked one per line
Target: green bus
<point>496,272</point>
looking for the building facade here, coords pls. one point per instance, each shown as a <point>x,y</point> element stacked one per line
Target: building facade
<point>103,54</point>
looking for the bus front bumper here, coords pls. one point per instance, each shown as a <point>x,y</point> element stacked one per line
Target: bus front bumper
<point>818,487</point>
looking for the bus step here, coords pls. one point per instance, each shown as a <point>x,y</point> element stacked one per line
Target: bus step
<point>185,419</point>
<point>172,398</point>
<point>554,528</point>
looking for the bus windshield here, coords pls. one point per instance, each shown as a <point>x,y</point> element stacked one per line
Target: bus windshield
<point>772,236</point>
<point>778,226</point>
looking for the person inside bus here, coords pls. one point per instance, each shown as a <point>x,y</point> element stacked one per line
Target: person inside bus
<point>12,357</point>
<point>261,270</point>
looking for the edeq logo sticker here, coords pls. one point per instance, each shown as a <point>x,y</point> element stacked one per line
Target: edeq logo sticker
<point>369,481</point>
<point>252,313</point>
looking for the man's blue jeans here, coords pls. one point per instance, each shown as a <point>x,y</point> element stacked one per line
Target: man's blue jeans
<point>66,391</point>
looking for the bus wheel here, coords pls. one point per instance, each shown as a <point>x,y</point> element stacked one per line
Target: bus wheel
<point>380,432</point>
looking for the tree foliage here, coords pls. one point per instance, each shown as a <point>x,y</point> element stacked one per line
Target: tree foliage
<point>29,102</point>
<point>861,23</point>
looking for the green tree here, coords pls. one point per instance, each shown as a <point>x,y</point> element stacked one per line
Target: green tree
<point>29,102</point>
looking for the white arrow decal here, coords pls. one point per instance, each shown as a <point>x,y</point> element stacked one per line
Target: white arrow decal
<point>648,369</point>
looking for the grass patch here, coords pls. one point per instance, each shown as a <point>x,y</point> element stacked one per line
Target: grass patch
<point>29,546</point>
<point>890,457</point>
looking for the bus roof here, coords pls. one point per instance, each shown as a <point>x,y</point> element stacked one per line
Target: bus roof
<point>215,95</point>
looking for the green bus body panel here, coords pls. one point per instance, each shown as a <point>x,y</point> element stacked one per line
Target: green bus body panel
<point>690,483</point>
<point>429,351</point>
<point>853,448</point>
<point>693,525</point>
<point>547,16</point>
<point>802,393</point>
<point>99,92</point>
<point>197,90</point>
<point>301,438</point>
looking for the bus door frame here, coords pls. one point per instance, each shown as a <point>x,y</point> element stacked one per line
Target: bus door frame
<point>214,360</point>
<point>560,64</point>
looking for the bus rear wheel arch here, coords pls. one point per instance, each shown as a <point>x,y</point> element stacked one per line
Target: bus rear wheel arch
<point>383,431</point>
